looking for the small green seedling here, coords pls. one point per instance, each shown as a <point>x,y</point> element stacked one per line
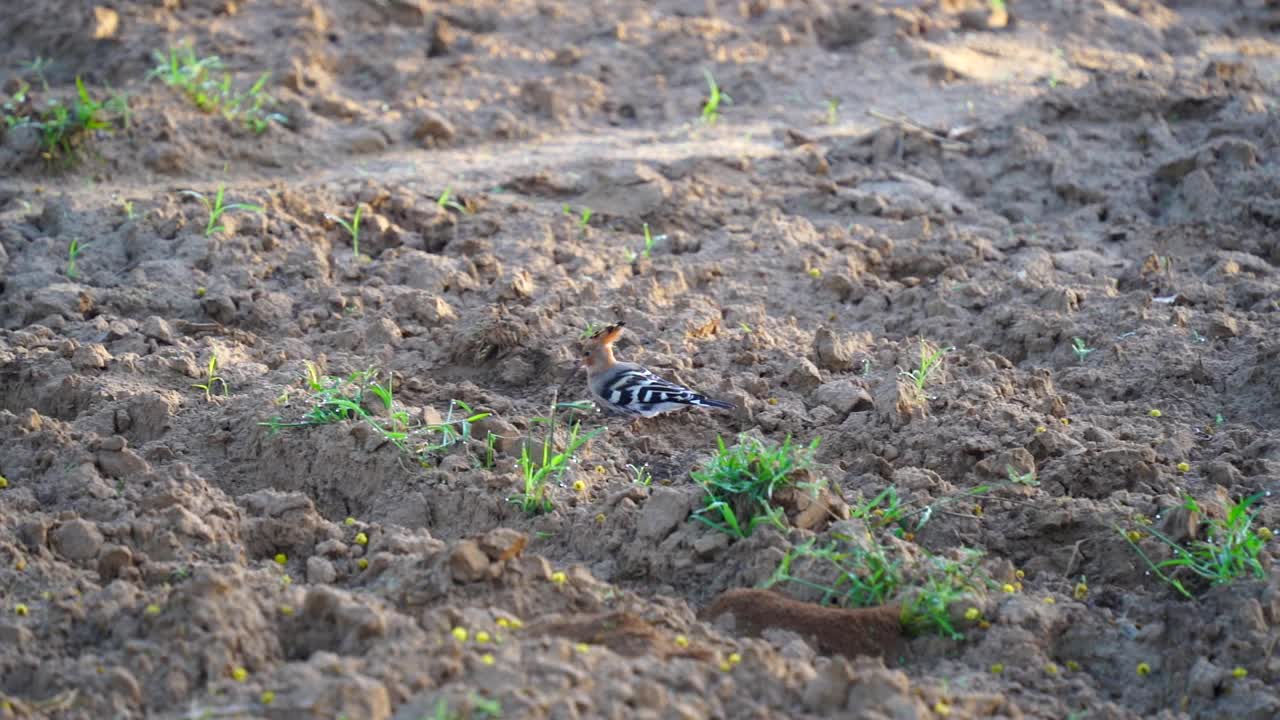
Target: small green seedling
<point>37,68</point>
<point>352,228</point>
<point>833,111</point>
<point>446,201</point>
<point>711,108</point>
<point>647,251</point>
<point>73,252</point>
<point>584,216</point>
<point>929,362</point>
<point>1078,347</point>
<point>127,207</point>
<point>1231,548</point>
<point>590,329</point>
<point>216,208</point>
<point>640,475</point>
<point>538,471</point>
<point>1027,478</point>
<point>212,380</point>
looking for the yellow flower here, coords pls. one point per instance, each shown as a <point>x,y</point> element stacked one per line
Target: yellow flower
<point>600,470</point>
<point>286,610</point>
<point>285,580</point>
<point>4,482</point>
<point>1264,533</point>
<point>600,518</point>
<point>200,291</point>
<point>504,623</point>
<point>21,610</point>
<point>240,674</point>
<point>1017,586</point>
<point>1073,666</point>
<point>726,666</point>
<point>977,510</point>
<point>1154,412</point>
<point>734,658</point>
<point>972,613</point>
<point>1133,535</point>
<point>984,624</point>
<point>487,659</point>
<point>1184,467</point>
<point>516,623</point>
<point>1041,429</point>
<point>997,668</point>
<point>1143,669</point>
<point>1050,669</point>
<point>460,634</point>
<point>682,641</point>
<point>349,521</point>
<point>942,708</point>
<point>582,647</point>
<point>909,537</point>
<point>362,539</point>
<point>1019,574</point>
<point>773,401</point>
<point>362,563</point>
<point>558,577</point>
<point>1081,591</point>
<point>1050,601</point>
<point>268,697</point>
<point>281,558</point>
<point>1065,421</point>
<point>815,273</point>
<point>1239,673</point>
<point>482,636</point>
<point>579,486</point>
<point>1009,588</point>
<point>21,563</point>
<point>152,609</point>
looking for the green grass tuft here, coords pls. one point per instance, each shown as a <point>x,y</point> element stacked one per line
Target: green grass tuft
<point>197,78</point>
<point>741,481</point>
<point>1231,549</point>
<point>217,208</point>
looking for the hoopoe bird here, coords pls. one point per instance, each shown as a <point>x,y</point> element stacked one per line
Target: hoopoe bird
<point>628,388</point>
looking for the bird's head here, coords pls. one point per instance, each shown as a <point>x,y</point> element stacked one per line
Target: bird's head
<point>597,353</point>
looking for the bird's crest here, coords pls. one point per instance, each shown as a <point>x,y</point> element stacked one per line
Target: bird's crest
<point>607,335</point>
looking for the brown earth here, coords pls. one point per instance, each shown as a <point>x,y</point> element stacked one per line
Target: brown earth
<point>1102,169</point>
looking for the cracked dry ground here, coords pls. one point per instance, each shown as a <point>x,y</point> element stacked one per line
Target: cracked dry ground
<point>1102,169</point>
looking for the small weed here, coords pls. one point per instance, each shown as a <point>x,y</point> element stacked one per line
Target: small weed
<point>182,69</point>
<point>584,216</point>
<point>340,399</point>
<point>711,108</point>
<point>929,362</point>
<point>63,126</point>
<point>212,380</point>
<point>352,227</point>
<point>1230,550</point>
<point>740,483</point>
<point>538,475</point>
<point>1027,478</point>
<point>446,201</point>
<point>833,111</point>
<point>590,329</point>
<point>640,475</point>
<point>1078,347</point>
<point>888,509</point>
<point>216,208</point>
<point>866,574</point>
<point>127,207</point>
<point>649,241</point>
<point>73,252</point>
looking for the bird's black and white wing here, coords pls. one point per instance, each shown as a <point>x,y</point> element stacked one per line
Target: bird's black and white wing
<point>636,391</point>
